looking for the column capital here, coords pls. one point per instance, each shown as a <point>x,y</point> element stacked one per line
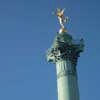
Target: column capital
<point>65,47</point>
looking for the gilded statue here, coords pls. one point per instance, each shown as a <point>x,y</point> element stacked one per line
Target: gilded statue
<point>62,19</point>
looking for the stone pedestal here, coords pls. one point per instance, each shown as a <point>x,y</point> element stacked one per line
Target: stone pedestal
<point>64,53</point>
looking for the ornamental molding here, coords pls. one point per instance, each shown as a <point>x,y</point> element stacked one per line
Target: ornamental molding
<point>63,48</point>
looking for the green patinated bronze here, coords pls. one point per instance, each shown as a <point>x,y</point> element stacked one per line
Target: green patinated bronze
<point>64,46</point>
<point>64,52</point>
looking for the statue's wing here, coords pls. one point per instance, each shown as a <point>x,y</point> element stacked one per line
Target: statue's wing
<point>63,11</point>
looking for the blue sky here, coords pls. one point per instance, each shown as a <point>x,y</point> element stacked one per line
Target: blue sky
<point>27,30</point>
